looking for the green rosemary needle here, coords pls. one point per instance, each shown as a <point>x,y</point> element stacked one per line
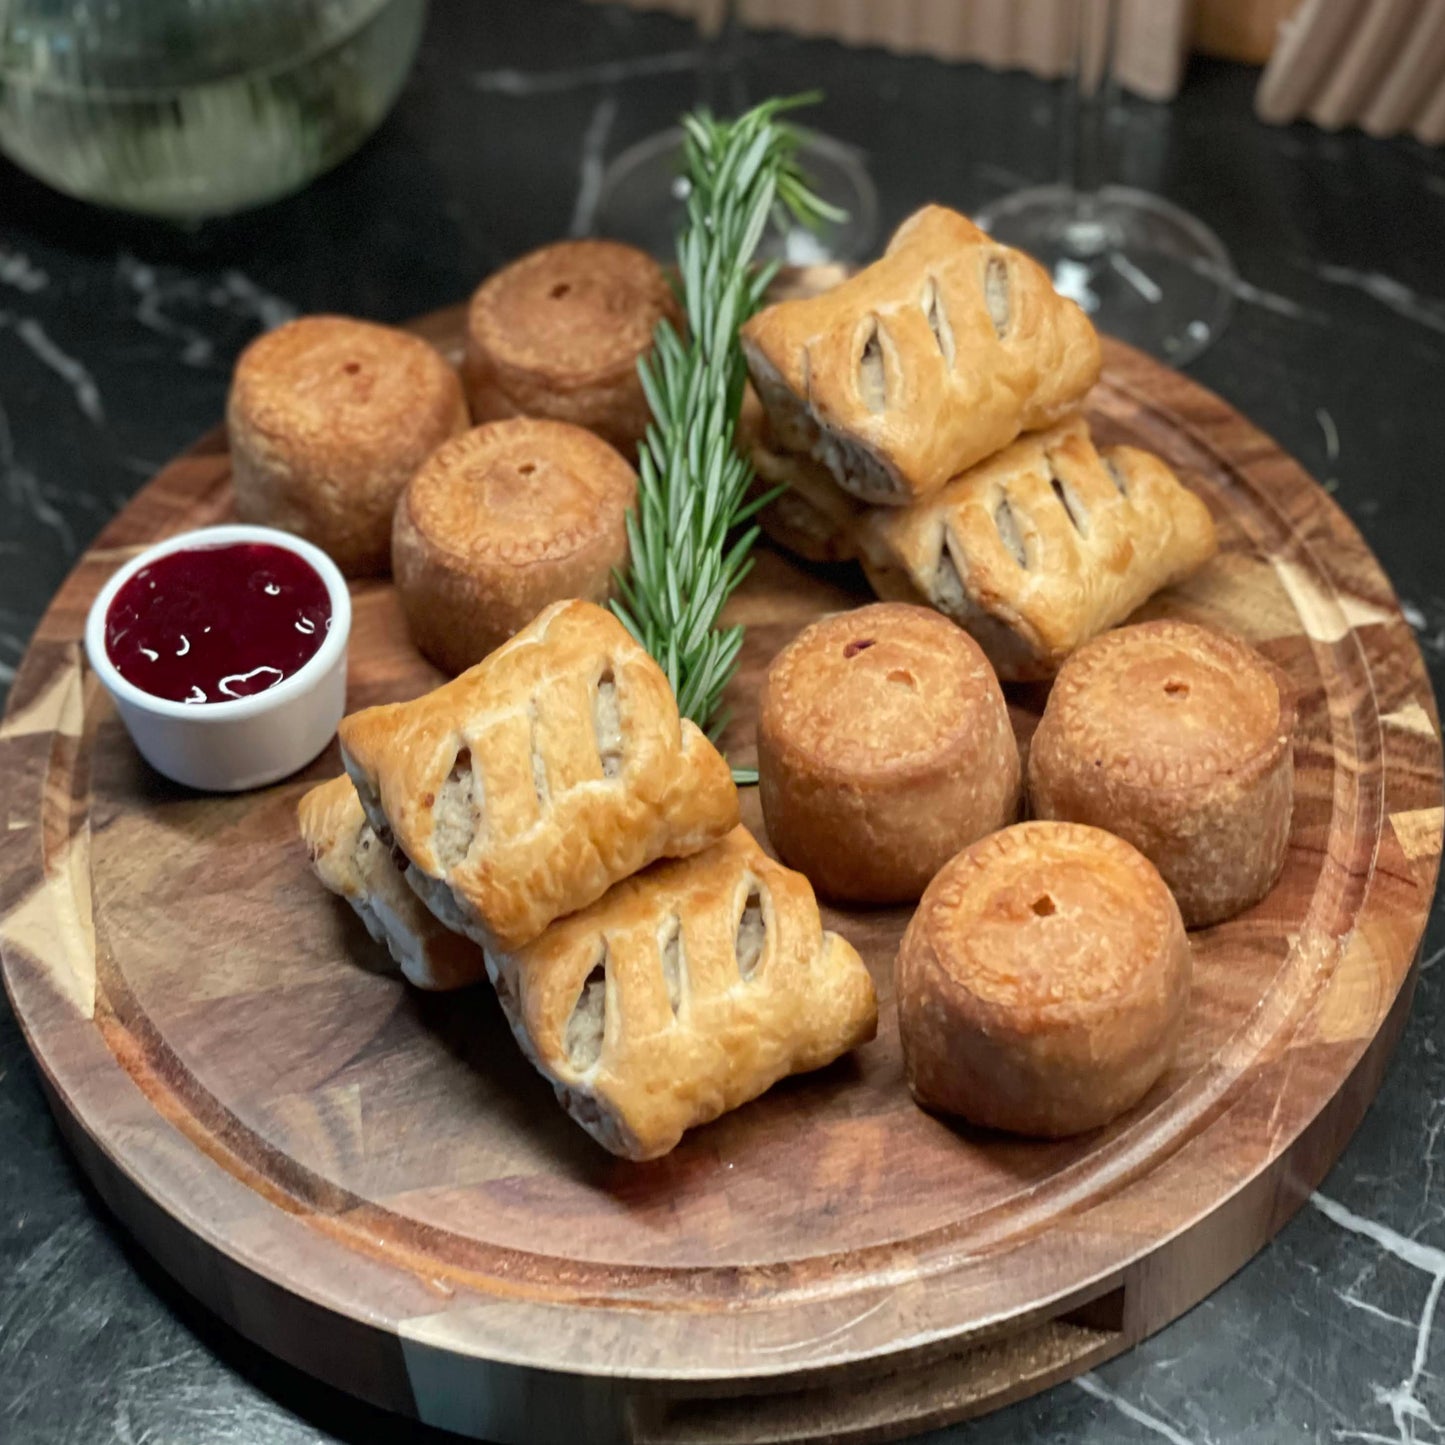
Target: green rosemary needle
<point>692,482</point>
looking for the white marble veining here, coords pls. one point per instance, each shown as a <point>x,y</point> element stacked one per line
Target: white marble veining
<point>20,489</point>
<point>574,77</point>
<point>1252,295</point>
<point>239,294</point>
<point>1407,1410</point>
<point>1331,482</point>
<point>152,296</point>
<point>160,294</point>
<point>17,270</point>
<point>1090,1384</point>
<point>1399,298</point>
<point>1355,1303</point>
<point>68,368</point>
<point>1428,624</point>
<point>593,165</point>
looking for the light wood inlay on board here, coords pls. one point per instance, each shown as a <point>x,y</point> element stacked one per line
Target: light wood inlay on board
<point>376,1185</point>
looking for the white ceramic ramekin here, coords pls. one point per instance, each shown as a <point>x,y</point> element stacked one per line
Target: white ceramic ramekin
<point>225,747</point>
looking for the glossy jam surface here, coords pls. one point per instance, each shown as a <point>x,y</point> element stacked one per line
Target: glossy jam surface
<point>211,624</point>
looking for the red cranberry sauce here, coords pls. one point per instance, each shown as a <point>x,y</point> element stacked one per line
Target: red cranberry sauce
<point>210,624</point>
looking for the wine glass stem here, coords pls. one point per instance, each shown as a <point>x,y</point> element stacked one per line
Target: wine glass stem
<point>717,24</point>
<point>1090,96</point>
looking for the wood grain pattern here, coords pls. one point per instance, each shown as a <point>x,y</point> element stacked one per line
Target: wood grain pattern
<point>375,1185</point>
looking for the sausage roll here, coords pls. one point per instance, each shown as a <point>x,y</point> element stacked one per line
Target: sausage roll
<point>814,517</point>
<point>1042,547</point>
<point>924,363</point>
<point>683,993</point>
<point>526,787</point>
<point>353,862</point>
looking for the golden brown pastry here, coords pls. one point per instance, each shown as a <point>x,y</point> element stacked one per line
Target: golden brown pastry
<point>1041,547</point>
<point>814,518</point>
<point>328,418</point>
<point>924,363</point>
<point>1180,740</point>
<point>1043,981</point>
<point>559,333</point>
<point>498,523</point>
<point>526,787</point>
<point>884,746</point>
<point>353,863</point>
<point>682,993</point>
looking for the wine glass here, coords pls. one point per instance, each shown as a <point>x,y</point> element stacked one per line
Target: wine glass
<point>643,195</point>
<point>1145,270</point>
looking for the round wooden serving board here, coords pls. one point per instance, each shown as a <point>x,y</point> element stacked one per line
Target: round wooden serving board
<point>375,1185</point>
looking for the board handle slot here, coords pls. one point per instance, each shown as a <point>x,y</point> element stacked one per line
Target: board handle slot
<point>978,1377</point>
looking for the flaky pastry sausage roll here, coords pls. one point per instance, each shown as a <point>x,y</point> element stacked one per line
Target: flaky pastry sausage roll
<point>353,863</point>
<point>1041,548</point>
<point>683,993</point>
<point>814,518</point>
<point>526,787</point>
<point>922,364</point>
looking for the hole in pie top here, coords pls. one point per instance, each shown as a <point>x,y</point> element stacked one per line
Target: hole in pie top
<point>455,814</point>
<point>1116,475</point>
<point>995,294</point>
<point>1175,688</point>
<point>861,644</point>
<point>527,468</point>
<point>1043,905</point>
<point>352,368</point>
<point>588,1024</point>
<point>903,677</point>
<point>752,934</point>
<point>559,290</point>
<point>872,378</point>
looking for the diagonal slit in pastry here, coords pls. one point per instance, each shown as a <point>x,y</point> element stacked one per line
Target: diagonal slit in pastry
<point>458,812</point>
<point>938,322</point>
<point>1074,508</point>
<point>996,294</point>
<point>872,373</point>
<point>674,964</point>
<point>1116,474</point>
<point>587,1025</point>
<point>539,766</point>
<point>752,933</point>
<point>607,725</point>
<point>1008,531</point>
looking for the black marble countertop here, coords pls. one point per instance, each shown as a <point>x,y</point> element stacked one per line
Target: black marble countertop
<point>116,339</point>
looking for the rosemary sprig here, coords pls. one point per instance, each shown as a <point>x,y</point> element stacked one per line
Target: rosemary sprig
<point>692,482</point>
